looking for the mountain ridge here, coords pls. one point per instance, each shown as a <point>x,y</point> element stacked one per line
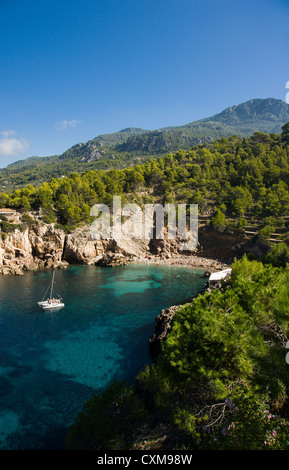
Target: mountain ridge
<point>132,145</point>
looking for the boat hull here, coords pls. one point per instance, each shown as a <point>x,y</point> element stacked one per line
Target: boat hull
<point>53,305</point>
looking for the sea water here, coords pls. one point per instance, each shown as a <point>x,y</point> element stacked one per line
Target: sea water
<point>52,362</point>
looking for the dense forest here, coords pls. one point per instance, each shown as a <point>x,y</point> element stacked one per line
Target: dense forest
<point>233,180</point>
<point>132,146</point>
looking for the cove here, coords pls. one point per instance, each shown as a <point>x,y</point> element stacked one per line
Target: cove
<point>52,362</point>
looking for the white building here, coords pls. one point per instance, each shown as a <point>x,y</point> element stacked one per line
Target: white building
<point>215,278</point>
<point>6,211</point>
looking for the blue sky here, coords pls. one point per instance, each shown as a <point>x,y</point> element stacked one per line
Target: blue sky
<point>71,70</point>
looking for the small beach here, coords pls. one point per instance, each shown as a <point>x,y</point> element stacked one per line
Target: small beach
<point>196,262</point>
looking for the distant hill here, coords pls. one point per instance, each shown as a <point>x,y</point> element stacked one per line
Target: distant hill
<point>133,145</point>
<point>266,115</point>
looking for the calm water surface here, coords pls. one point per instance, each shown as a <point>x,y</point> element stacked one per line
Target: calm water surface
<point>52,362</point>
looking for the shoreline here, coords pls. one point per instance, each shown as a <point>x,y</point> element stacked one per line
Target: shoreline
<point>163,321</point>
<point>47,247</point>
<point>194,261</point>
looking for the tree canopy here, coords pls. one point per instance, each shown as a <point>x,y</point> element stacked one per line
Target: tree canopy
<point>230,179</point>
<point>220,382</point>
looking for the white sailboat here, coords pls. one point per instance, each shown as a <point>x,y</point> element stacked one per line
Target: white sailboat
<point>51,302</point>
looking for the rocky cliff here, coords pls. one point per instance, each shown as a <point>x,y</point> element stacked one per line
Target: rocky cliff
<point>44,246</point>
<point>36,246</point>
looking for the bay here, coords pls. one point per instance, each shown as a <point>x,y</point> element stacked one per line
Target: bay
<point>52,362</point>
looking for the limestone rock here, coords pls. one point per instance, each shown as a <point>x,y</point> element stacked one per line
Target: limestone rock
<point>113,259</point>
<point>129,246</point>
<point>163,326</point>
<point>46,240</point>
<point>81,249</point>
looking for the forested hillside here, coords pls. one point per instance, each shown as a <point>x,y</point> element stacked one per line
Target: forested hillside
<point>221,380</point>
<point>235,182</point>
<point>132,146</point>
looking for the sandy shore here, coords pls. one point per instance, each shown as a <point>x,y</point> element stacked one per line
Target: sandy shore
<point>194,261</point>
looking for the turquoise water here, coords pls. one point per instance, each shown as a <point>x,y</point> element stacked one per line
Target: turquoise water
<point>52,362</point>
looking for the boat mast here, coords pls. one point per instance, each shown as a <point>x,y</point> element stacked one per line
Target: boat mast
<point>52,285</point>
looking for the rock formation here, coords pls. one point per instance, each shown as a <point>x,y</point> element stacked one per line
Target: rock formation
<point>36,246</point>
<point>162,327</point>
<point>80,248</point>
<point>44,246</point>
<point>40,245</point>
<point>164,323</point>
<point>113,259</point>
